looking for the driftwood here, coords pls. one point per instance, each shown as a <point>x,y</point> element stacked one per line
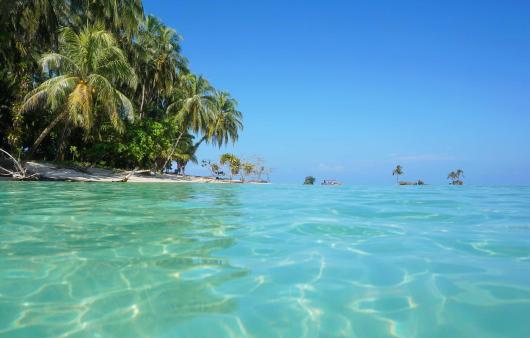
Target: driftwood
<point>126,178</point>
<point>54,172</point>
<point>18,172</point>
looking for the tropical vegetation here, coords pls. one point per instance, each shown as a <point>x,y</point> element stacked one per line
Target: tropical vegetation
<point>309,180</point>
<point>232,165</point>
<point>397,172</point>
<point>101,82</point>
<point>456,177</point>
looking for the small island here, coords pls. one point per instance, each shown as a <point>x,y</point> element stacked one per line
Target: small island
<point>85,100</point>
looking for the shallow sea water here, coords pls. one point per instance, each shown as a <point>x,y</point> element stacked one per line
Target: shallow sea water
<point>199,260</point>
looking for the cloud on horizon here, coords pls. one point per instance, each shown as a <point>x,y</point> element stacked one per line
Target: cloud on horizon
<point>330,167</point>
<point>422,158</point>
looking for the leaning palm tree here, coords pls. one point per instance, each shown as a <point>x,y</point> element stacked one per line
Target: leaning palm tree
<point>233,163</point>
<point>87,69</point>
<point>397,171</point>
<point>225,122</point>
<point>192,107</point>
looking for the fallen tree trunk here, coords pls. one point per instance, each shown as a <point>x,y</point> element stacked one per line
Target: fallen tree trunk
<point>18,172</point>
<point>126,178</point>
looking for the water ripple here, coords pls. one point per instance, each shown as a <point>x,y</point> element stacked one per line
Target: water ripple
<point>191,260</point>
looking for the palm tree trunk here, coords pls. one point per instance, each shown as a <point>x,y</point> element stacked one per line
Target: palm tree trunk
<point>199,143</point>
<point>60,151</point>
<point>173,149</point>
<point>46,131</point>
<point>143,100</point>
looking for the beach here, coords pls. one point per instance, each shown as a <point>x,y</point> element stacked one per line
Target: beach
<point>54,172</point>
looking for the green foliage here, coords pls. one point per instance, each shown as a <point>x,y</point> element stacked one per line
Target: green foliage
<point>97,81</point>
<point>74,152</point>
<point>456,177</point>
<point>236,166</point>
<point>215,168</point>
<point>397,172</point>
<point>87,70</point>
<point>232,162</point>
<point>227,120</point>
<point>144,144</point>
<point>309,180</point>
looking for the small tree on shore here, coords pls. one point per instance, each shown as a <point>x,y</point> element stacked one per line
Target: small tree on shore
<point>247,168</point>
<point>233,163</point>
<point>397,172</point>
<point>259,168</point>
<point>215,168</point>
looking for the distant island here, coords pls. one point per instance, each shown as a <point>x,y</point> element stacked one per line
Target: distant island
<point>455,177</point>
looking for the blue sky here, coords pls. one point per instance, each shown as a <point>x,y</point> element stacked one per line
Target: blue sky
<point>349,89</point>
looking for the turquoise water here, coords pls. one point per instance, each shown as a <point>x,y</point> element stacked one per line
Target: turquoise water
<point>199,260</point>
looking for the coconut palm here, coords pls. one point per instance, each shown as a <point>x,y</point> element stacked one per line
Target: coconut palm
<point>233,163</point>
<point>235,166</point>
<point>225,122</point>
<point>455,176</point>
<point>87,71</point>
<point>120,16</point>
<point>192,107</point>
<point>397,172</point>
<point>226,159</point>
<point>157,60</point>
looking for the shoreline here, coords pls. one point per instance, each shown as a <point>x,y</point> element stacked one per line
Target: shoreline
<point>46,171</point>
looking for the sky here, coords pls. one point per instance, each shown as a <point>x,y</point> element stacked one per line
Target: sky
<point>349,89</point>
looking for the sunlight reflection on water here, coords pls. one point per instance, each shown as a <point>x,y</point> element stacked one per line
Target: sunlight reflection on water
<point>192,260</point>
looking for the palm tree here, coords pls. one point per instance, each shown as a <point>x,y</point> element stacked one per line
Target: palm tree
<point>454,176</point>
<point>397,171</point>
<point>459,172</point>
<point>182,158</point>
<point>234,163</point>
<point>157,59</point>
<point>235,166</point>
<point>87,70</point>
<point>225,123</point>
<point>192,107</point>
<point>451,176</point>
<point>122,17</point>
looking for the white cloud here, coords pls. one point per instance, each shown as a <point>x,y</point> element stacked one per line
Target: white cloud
<point>422,158</point>
<point>330,167</point>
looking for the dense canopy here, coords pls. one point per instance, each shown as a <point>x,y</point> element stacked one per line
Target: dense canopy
<point>100,82</point>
